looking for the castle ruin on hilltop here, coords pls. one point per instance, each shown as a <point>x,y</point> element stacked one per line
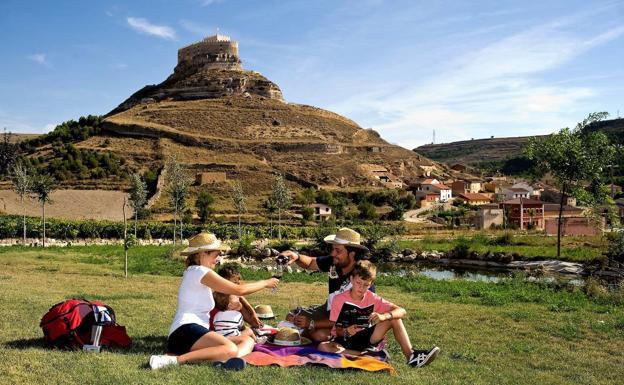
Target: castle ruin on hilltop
<point>213,52</point>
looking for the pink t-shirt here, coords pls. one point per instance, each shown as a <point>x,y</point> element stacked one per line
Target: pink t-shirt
<point>380,305</point>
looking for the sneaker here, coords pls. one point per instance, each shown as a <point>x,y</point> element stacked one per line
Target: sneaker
<point>420,358</point>
<point>235,364</point>
<point>158,362</point>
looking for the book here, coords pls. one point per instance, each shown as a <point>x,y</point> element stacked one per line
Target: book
<point>352,314</point>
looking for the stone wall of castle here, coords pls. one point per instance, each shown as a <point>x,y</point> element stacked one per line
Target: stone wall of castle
<point>212,52</point>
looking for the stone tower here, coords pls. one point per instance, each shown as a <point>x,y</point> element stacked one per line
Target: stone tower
<point>217,52</point>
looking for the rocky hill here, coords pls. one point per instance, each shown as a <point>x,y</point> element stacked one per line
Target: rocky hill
<point>217,118</point>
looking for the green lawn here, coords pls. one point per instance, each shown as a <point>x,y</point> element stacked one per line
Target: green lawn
<point>529,247</point>
<point>507,333</point>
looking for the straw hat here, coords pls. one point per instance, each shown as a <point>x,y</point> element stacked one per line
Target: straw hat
<point>290,337</point>
<point>264,312</point>
<point>203,242</point>
<point>346,237</point>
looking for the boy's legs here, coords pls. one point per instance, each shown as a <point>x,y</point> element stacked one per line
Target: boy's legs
<point>400,335</point>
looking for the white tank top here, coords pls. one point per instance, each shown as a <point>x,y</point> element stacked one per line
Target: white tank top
<point>195,299</point>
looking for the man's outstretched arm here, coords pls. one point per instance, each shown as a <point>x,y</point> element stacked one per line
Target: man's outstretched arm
<point>304,261</point>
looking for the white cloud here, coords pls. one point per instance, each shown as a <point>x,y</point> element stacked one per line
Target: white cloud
<point>143,26</point>
<point>119,66</point>
<point>205,3</point>
<point>478,94</point>
<point>40,58</point>
<point>197,29</point>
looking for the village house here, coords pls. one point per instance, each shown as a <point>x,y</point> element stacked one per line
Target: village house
<point>572,219</point>
<point>524,213</point>
<point>489,216</point>
<point>427,186</point>
<point>475,199</point>
<point>516,192</point>
<point>466,186</point>
<point>322,212</point>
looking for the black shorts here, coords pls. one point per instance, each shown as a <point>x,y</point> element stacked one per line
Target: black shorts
<point>360,341</point>
<point>183,338</point>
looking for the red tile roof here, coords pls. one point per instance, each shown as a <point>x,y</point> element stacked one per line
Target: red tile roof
<point>474,197</point>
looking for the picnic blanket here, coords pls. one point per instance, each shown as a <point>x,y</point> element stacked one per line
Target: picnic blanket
<point>265,354</point>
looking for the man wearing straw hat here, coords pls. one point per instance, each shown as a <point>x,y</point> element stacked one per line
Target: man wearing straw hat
<point>346,251</point>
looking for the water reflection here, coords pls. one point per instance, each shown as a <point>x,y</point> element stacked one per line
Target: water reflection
<point>467,274</point>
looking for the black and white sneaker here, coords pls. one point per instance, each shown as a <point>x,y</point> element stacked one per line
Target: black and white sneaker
<point>420,358</point>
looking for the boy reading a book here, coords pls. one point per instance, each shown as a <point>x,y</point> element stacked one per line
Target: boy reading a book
<point>361,320</point>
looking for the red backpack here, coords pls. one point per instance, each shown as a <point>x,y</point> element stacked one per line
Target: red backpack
<point>68,324</point>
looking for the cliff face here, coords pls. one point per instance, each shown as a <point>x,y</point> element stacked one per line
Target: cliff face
<point>193,84</point>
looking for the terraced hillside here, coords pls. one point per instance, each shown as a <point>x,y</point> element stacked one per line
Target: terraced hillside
<point>252,138</point>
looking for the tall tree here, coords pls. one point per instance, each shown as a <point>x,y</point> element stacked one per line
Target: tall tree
<point>270,207</point>
<point>575,159</point>
<point>138,196</point>
<point>203,204</point>
<point>22,185</point>
<point>43,187</point>
<point>240,202</point>
<point>177,187</point>
<point>282,199</point>
<point>8,152</point>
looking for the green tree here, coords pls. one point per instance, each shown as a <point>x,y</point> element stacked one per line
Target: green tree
<point>42,188</point>
<point>575,159</point>
<point>138,196</point>
<point>367,210</point>
<point>270,207</point>
<point>8,152</point>
<point>203,205</point>
<point>307,213</point>
<point>306,196</point>
<point>240,202</point>
<point>397,212</point>
<point>22,185</point>
<point>177,187</point>
<point>281,198</point>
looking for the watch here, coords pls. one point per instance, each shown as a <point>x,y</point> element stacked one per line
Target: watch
<point>311,325</point>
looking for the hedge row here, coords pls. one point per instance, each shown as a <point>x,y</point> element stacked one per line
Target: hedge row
<point>11,227</point>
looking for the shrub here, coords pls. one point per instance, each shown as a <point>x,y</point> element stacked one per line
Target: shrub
<point>244,244</point>
<point>504,240</point>
<point>461,248</point>
<point>615,249</point>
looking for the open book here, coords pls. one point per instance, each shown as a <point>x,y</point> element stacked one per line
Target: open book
<point>351,314</point>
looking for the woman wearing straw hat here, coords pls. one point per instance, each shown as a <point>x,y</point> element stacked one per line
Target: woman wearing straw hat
<point>189,338</point>
<point>346,251</point>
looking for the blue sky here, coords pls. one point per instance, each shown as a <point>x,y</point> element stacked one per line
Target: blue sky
<point>468,69</point>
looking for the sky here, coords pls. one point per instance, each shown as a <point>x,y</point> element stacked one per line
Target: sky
<point>466,69</point>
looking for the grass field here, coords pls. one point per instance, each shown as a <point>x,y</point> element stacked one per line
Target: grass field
<point>529,247</point>
<point>511,332</point>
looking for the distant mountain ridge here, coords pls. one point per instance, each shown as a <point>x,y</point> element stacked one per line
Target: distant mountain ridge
<point>478,152</point>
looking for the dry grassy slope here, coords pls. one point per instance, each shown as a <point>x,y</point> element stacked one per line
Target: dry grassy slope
<point>251,138</point>
<point>314,144</point>
<point>474,151</point>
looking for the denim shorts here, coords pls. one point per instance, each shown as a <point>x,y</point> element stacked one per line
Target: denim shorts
<point>183,338</point>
